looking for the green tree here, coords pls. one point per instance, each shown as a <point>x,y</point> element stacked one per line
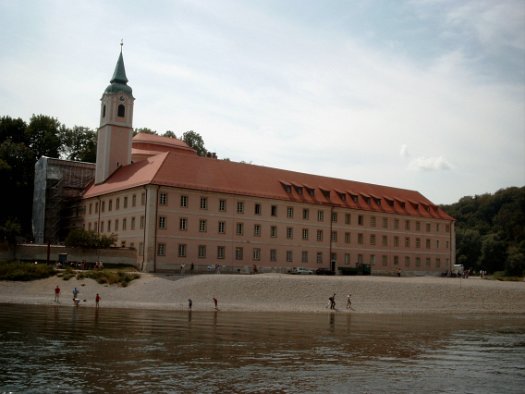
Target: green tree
<point>89,239</point>
<point>43,135</point>
<point>468,249</point>
<point>195,141</point>
<point>169,134</point>
<point>79,144</point>
<point>493,253</point>
<point>144,130</point>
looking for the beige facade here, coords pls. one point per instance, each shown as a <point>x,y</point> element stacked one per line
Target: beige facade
<point>172,226</point>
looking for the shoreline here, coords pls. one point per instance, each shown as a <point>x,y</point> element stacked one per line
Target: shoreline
<point>281,293</point>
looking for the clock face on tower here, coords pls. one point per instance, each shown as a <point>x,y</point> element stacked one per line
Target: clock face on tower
<point>121,98</point>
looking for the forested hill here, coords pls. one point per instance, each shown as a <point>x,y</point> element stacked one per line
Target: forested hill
<point>490,231</point>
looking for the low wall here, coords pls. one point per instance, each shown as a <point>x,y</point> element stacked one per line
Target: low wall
<point>33,252</point>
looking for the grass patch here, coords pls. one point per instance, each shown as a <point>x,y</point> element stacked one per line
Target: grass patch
<point>500,275</point>
<point>122,277</point>
<point>25,271</point>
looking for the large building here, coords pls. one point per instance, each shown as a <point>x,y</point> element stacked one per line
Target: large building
<point>175,207</point>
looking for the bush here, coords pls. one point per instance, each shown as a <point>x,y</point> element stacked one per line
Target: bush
<point>25,271</point>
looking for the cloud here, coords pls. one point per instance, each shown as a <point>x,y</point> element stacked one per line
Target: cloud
<point>429,164</point>
<point>404,151</point>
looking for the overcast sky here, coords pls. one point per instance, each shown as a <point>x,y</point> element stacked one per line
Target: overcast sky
<point>426,95</point>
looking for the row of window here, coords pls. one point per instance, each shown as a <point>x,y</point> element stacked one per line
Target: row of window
<point>117,200</point>
<point>304,258</point>
<point>116,225</point>
<point>305,234</point>
<point>320,214</point>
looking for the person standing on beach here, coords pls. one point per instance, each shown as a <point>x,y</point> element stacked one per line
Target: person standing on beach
<point>57,294</point>
<point>97,300</point>
<point>348,302</point>
<point>332,301</point>
<point>75,292</point>
<point>216,303</point>
<point>190,303</point>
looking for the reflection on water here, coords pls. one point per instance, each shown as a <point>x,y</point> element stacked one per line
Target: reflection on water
<point>65,349</point>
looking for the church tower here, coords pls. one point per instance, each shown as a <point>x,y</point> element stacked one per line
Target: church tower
<point>116,129</point>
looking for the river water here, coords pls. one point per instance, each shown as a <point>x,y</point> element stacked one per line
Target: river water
<point>83,350</point>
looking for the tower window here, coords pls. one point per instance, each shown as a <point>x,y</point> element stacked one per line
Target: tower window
<point>121,111</point>
<point>104,111</point>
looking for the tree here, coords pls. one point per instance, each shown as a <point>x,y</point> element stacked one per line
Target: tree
<point>79,144</point>
<point>144,130</point>
<point>89,239</point>
<point>169,134</point>
<point>43,135</point>
<point>195,141</point>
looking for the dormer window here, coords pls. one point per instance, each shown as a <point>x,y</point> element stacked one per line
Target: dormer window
<point>121,112</point>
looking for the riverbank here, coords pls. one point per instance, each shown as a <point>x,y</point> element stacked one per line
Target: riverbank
<point>283,293</point>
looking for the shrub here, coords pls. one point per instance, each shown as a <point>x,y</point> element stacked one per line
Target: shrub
<point>25,271</point>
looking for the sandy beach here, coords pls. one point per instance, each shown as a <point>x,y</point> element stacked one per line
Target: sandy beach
<point>282,293</point>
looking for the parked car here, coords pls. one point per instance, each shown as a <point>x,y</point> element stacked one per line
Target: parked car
<point>324,271</point>
<point>302,271</point>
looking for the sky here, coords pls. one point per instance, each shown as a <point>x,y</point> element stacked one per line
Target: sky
<point>423,95</point>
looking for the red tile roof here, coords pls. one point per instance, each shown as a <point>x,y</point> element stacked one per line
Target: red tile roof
<point>207,174</point>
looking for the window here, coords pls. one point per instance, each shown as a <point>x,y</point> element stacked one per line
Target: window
<point>360,238</point>
<point>418,261</point>
<point>372,221</point>
<point>240,207</point>
<point>201,251</point>
<point>334,217</point>
<point>222,227</point>
<point>142,199</point>
<point>333,236</point>
<point>90,207</point>
<point>103,206</point>
<point>184,201</point>
<point>396,224</point>
<point>418,226</point>
<point>407,261</point>
<point>347,238</point>
<point>161,249</point>
<point>319,235</point>
<point>141,249</point>
<point>203,225</point>
<point>427,243</point>
<point>320,216</point>
<point>109,226</point>
<point>274,210</point>
<point>162,222</point>
<point>289,232</point>
<point>110,205</point>
<point>289,212</point>
<point>319,258</point>
<point>239,229</point>
<point>134,200</point>
<point>142,222</point>
<point>124,224</point>
<point>384,240</point>
<point>204,203</point>
<point>239,253</point>
<point>407,225</point>
<point>182,250</point>
<point>163,198</point>
<point>289,256</point>
<point>306,213</point>
<point>117,205</point>
<point>428,227</point>
<point>104,111</point>
<point>257,230</point>
<point>273,231</point>
<point>256,254</point>
<point>125,202</point>
<point>348,218</point>
<point>133,223</point>
<point>257,209</point>
<point>183,224</point>
<point>101,227</point>
<point>396,260</point>
<point>418,243</point>
<point>384,260</point>
<point>121,111</point>
<point>360,220</point>
<point>116,224</point>
<point>305,233</point>
<point>385,222</point>
<point>304,256</point>
<point>221,251</point>
<point>346,259</point>
<point>372,239</point>
<point>407,242</point>
<point>273,255</point>
<point>222,205</point>
<point>396,241</point>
